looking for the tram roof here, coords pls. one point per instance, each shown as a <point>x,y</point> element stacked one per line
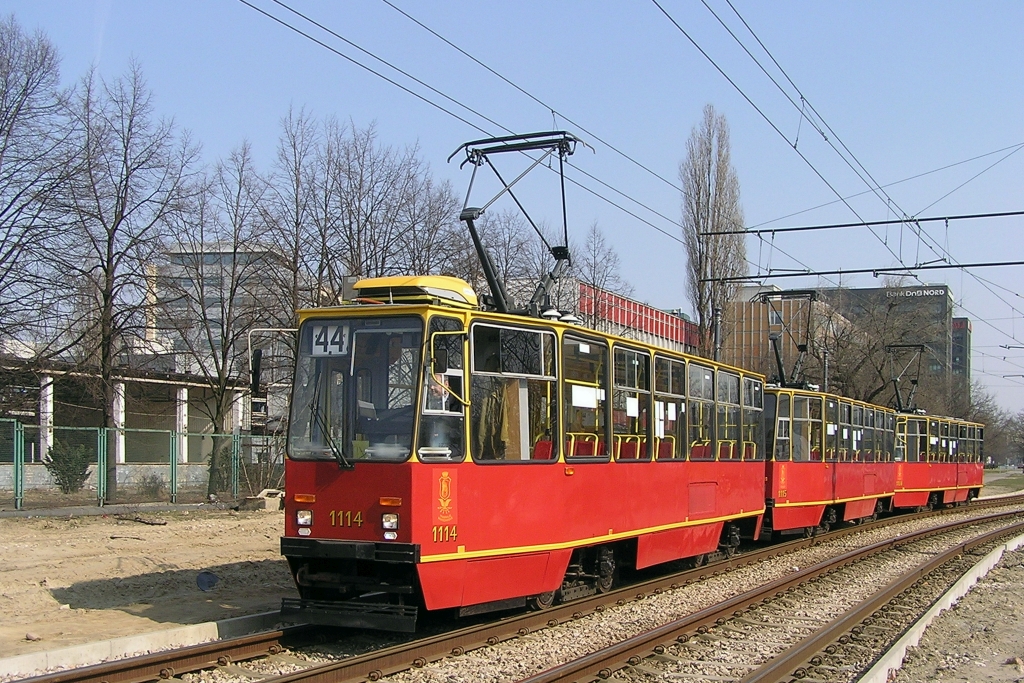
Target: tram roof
<point>418,289</point>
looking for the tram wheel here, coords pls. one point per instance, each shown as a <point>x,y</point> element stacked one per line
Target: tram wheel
<point>542,601</point>
<point>607,570</point>
<point>700,560</point>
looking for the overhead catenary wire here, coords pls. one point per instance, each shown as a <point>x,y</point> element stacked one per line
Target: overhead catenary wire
<point>1016,147</point>
<point>834,226</point>
<point>922,234</point>
<point>484,131</point>
<point>446,110</point>
<point>771,124</point>
<point>862,271</point>
<point>912,221</point>
<point>530,95</point>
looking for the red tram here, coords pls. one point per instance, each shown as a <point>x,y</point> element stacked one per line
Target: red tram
<point>450,453</point>
<point>448,457</point>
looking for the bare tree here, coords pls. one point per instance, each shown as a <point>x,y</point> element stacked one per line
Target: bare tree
<point>711,204</point>
<point>290,212</point>
<point>1004,431</point>
<point>377,192</point>
<point>212,288</point>
<point>857,332</point>
<point>127,175</point>
<point>430,226</point>
<point>32,131</point>
<point>597,265</point>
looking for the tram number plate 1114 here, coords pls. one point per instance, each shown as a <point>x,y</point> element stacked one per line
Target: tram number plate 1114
<point>444,534</point>
<point>346,518</point>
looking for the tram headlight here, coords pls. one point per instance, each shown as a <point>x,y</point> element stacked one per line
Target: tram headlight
<point>304,517</point>
<point>389,520</point>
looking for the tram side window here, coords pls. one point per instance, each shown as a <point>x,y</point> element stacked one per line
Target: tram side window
<point>969,442</point>
<point>669,408</point>
<point>933,440</point>
<point>845,432</point>
<point>916,451</point>
<point>831,429</point>
<point>815,413</point>
<point>857,434</point>
<point>956,446</point>
<point>514,402</point>
<point>701,413</point>
<point>800,436</point>
<point>441,418</point>
<point>868,448</point>
<point>890,436</point>
<point>805,438</point>
<point>980,443</point>
<point>631,405</point>
<point>945,443</point>
<point>901,448</point>
<point>782,429</point>
<point>753,404</point>
<point>584,377</point>
<point>728,426</point>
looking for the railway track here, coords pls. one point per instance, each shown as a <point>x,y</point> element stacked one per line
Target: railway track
<point>792,628</point>
<point>225,655</point>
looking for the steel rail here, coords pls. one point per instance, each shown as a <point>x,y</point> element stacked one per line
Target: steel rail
<point>793,662</point>
<point>170,663</point>
<point>631,651</point>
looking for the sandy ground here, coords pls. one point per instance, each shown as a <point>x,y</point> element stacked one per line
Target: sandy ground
<point>68,581</point>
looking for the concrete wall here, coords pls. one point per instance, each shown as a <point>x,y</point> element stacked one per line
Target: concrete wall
<point>190,475</point>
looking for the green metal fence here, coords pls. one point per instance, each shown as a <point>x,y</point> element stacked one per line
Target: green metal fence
<point>155,465</point>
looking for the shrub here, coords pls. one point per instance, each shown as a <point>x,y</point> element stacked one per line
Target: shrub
<point>69,466</point>
<point>152,486</point>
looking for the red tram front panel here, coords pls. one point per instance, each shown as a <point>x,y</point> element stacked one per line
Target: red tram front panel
<point>347,505</point>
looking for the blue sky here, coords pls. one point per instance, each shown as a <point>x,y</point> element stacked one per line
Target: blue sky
<point>907,87</point>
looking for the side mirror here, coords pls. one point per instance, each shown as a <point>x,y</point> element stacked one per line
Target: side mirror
<point>439,363</point>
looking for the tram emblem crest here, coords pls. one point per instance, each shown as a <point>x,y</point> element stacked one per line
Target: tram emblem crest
<point>444,493</point>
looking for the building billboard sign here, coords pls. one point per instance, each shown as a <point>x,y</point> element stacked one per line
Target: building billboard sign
<point>924,291</point>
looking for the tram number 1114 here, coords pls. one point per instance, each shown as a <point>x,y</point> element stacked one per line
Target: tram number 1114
<point>444,534</point>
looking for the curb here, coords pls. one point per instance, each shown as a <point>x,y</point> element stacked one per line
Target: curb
<point>36,663</point>
<point>892,660</point>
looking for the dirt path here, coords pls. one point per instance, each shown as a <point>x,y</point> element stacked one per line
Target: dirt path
<point>69,581</point>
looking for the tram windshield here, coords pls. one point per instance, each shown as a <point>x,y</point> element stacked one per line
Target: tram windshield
<point>354,395</point>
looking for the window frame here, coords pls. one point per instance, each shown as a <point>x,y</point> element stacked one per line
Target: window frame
<point>552,379</point>
<point>603,385</point>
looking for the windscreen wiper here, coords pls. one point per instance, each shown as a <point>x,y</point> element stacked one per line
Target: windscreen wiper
<point>321,423</point>
<point>318,419</point>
